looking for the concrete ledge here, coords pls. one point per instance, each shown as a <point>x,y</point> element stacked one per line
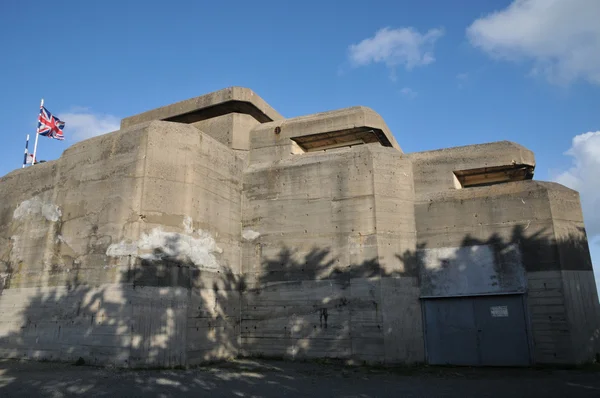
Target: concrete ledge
<point>435,171</point>
<point>342,121</point>
<point>229,100</point>
<point>491,154</point>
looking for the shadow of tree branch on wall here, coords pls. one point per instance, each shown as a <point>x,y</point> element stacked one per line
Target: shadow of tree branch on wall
<point>161,312</point>
<point>307,306</point>
<point>166,312</point>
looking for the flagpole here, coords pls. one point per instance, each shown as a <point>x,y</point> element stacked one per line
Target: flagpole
<point>26,153</point>
<point>36,138</point>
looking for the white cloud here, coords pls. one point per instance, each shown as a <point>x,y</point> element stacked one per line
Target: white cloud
<point>396,47</point>
<point>408,92</point>
<point>81,124</point>
<point>584,176</point>
<point>560,37</point>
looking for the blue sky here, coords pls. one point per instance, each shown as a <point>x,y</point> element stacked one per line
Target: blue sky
<point>441,73</point>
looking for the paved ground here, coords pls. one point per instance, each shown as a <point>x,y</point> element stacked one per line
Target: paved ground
<point>288,379</point>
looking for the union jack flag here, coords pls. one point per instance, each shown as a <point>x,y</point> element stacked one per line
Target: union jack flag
<point>49,125</point>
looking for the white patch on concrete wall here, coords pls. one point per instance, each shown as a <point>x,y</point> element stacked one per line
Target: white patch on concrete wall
<point>15,253</point>
<point>199,248</point>
<point>477,269</point>
<point>250,235</point>
<point>122,249</point>
<point>438,259</point>
<point>188,225</point>
<point>36,206</point>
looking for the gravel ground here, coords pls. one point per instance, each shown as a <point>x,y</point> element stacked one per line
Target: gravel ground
<point>259,378</point>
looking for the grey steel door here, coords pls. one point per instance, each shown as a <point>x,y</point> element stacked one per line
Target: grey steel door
<point>451,332</point>
<point>502,328</point>
<point>484,331</point>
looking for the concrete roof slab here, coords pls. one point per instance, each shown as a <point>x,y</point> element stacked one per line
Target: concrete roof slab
<point>491,154</point>
<point>229,100</point>
<point>354,121</point>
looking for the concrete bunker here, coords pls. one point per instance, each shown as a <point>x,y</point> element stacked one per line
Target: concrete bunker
<point>215,227</point>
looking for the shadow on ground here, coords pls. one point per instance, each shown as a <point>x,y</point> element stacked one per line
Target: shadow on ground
<point>259,378</point>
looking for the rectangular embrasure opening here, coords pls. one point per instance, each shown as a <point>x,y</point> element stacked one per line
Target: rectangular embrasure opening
<point>340,139</point>
<point>492,175</point>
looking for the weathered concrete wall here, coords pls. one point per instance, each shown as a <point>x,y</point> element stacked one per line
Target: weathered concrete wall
<point>579,289</point>
<point>472,270</point>
<point>516,225</point>
<point>232,130</point>
<point>497,215</point>
<point>56,230</point>
<point>305,218</point>
<point>191,213</point>
<point>320,280</point>
<point>125,250</point>
<point>434,170</point>
<point>395,224</point>
<point>495,219</point>
<point>54,219</point>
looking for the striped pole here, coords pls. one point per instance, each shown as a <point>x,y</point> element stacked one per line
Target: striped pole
<point>36,137</point>
<point>26,152</point>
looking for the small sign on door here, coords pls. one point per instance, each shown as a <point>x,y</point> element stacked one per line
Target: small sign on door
<point>500,311</point>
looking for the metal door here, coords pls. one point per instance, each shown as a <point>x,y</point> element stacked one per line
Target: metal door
<point>484,331</point>
<point>451,332</point>
<point>502,329</point>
